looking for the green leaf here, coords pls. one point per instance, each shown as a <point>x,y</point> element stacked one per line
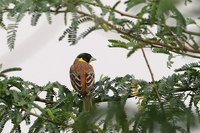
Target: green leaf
<point>88,31</point>
<point>49,112</point>
<point>132,3</point>
<point>186,1</point>
<point>109,116</point>
<point>105,27</point>
<point>117,43</point>
<point>170,62</point>
<point>11,35</point>
<point>141,13</point>
<point>180,21</point>
<point>2,25</point>
<point>135,47</point>
<point>69,114</point>
<point>126,37</point>
<point>49,18</point>
<point>153,13</point>
<point>52,128</point>
<point>101,76</point>
<point>190,21</point>
<point>15,96</point>
<point>160,50</point>
<point>121,117</point>
<point>37,126</point>
<point>187,67</point>
<point>197,97</point>
<point>3,121</point>
<point>165,6</point>
<point>35,18</point>
<point>73,29</point>
<point>11,70</point>
<point>104,10</point>
<point>115,5</point>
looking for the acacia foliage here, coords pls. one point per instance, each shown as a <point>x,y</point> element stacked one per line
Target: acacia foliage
<point>59,109</point>
<point>148,28</point>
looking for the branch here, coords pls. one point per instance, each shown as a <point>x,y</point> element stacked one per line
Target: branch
<point>143,19</point>
<point>117,11</point>
<point>171,48</point>
<point>44,100</point>
<point>155,86</point>
<point>122,32</point>
<point>152,77</point>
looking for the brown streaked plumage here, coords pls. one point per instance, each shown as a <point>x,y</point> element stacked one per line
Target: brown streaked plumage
<point>82,78</point>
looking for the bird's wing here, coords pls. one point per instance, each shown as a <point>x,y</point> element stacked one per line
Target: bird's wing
<point>90,77</point>
<point>75,80</point>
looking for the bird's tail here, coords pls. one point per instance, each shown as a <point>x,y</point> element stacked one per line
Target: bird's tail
<point>87,103</point>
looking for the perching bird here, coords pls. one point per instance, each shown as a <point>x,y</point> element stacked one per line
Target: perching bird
<point>82,78</point>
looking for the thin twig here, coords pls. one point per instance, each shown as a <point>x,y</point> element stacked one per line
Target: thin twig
<point>142,39</point>
<point>143,19</point>
<point>117,11</point>
<point>152,77</point>
<point>185,48</point>
<point>155,86</point>
<point>44,100</point>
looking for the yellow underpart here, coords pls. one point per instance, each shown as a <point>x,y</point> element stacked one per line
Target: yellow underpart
<point>81,59</point>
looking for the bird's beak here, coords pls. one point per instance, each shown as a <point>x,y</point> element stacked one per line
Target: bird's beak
<point>92,59</point>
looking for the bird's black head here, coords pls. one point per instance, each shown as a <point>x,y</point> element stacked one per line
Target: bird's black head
<point>85,57</point>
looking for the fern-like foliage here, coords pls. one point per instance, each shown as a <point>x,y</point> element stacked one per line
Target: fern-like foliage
<point>131,45</point>
<point>187,67</point>
<point>85,33</point>
<point>61,110</point>
<point>2,25</point>
<point>132,3</point>
<point>72,30</point>
<point>49,18</point>
<point>11,35</point>
<point>148,27</point>
<point>165,51</point>
<point>35,18</point>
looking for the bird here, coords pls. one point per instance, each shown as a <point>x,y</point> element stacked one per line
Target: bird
<point>82,78</point>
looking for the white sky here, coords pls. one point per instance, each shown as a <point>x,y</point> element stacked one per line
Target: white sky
<point>43,58</point>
